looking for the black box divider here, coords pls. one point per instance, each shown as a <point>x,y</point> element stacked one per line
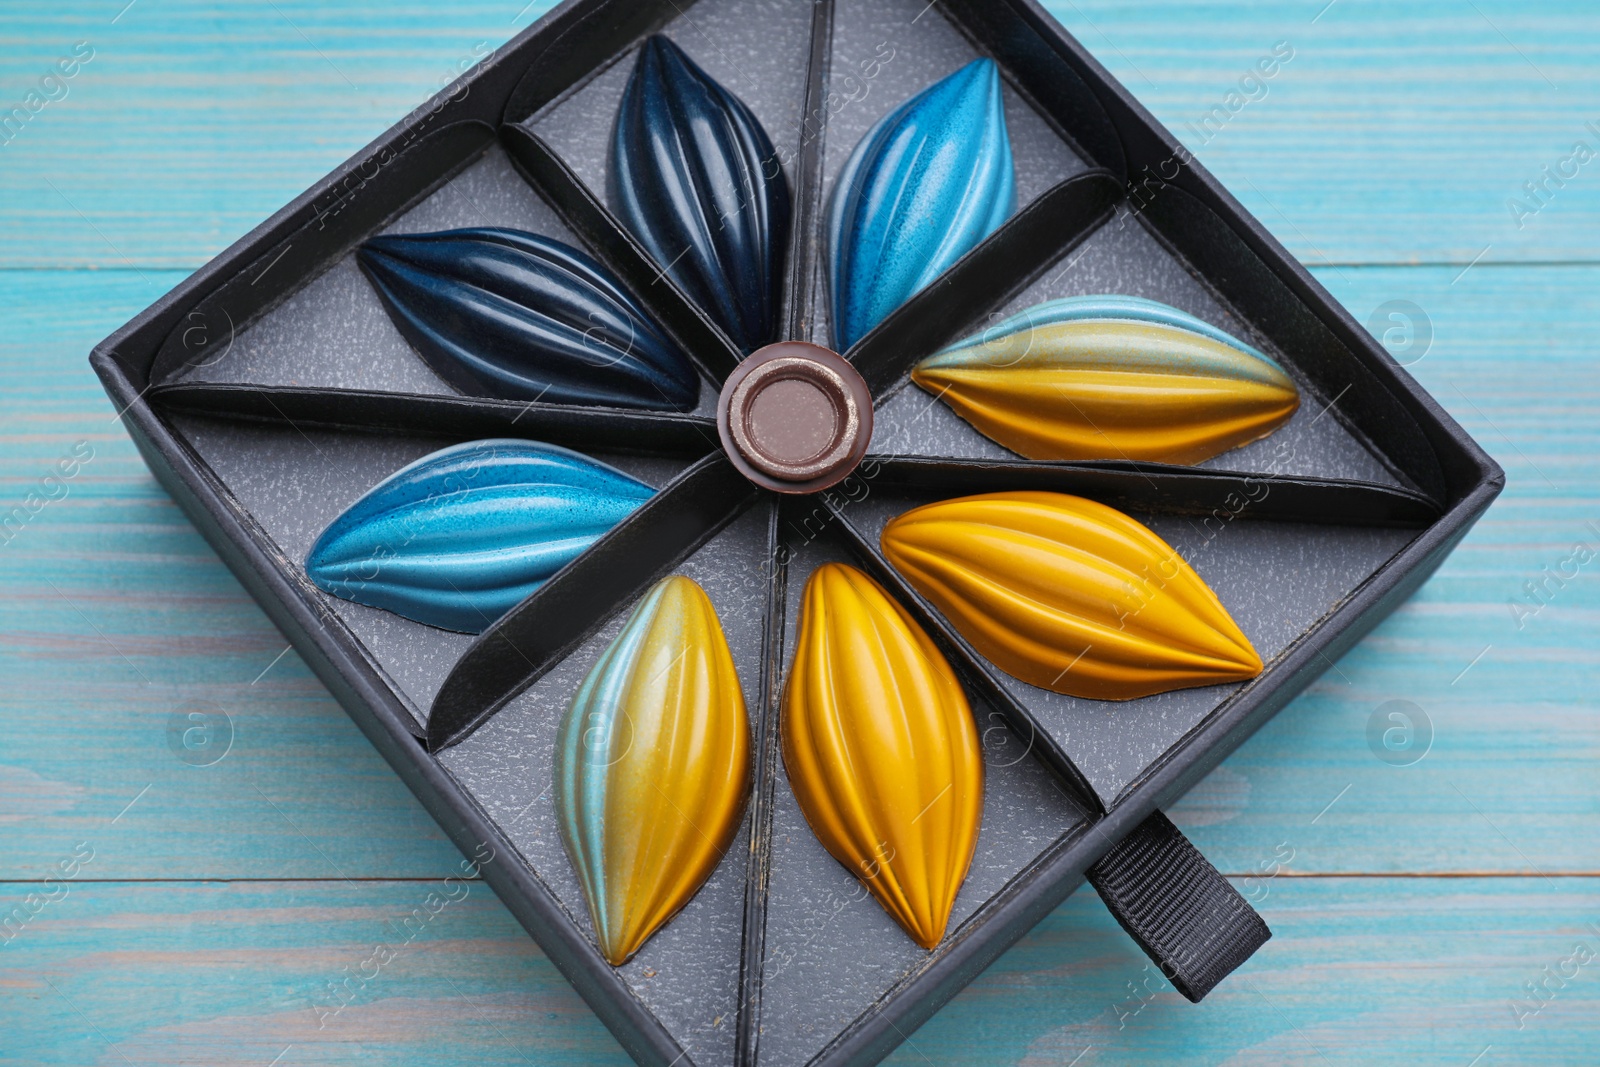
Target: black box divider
<point>805,227</point>
<point>529,899</point>
<point>1042,74</point>
<point>800,537</point>
<point>1203,748</point>
<point>1356,397</point>
<point>207,328</point>
<point>533,636</point>
<point>467,418</point>
<point>1168,489</point>
<point>289,598</point>
<point>764,743</point>
<point>694,331</point>
<point>337,659</point>
<point>865,518</point>
<point>1181,202</point>
<point>973,670</point>
<point>1016,909</point>
<point>1241,261</point>
<point>584,40</point>
<point>985,278</point>
<point>1026,37</point>
<point>478,96</point>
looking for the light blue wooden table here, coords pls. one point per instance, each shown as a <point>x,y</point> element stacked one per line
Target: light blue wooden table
<point>209,906</point>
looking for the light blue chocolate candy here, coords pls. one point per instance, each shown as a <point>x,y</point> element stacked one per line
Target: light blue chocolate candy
<point>456,539</point>
<point>930,181</point>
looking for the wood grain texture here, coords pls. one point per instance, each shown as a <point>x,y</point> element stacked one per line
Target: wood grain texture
<point>1436,987</point>
<point>1510,784</point>
<point>287,973</point>
<point>1397,132</point>
<point>1394,137</point>
<point>115,616</point>
<point>194,121</point>
<point>237,974</point>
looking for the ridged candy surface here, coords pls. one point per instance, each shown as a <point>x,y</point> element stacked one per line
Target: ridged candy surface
<point>881,750</point>
<point>515,315</point>
<point>457,538</point>
<point>1069,595</point>
<point>931,180</point>
<point>1111,377</point>
<point>652,766</point>
<point>696,179</point>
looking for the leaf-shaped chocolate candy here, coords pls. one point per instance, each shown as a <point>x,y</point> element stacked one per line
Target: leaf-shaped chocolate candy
<point>696,179</point>
<point>1111,377</point>
<point>652,766</point>
<point>457,538</point>
<point>927,183</point>
<point>1069,595</point>
<point>881,750</point>
<point>515,315</point>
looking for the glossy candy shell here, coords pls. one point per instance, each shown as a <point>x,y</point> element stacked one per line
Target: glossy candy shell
<point>516,315</point>
<point>1111,377</point>
<point>696,179</point>
<point>930,181</point>
<point>881,750</point>
<point>652,766</point>
<point>460,536</point>
<point>1069,595</point>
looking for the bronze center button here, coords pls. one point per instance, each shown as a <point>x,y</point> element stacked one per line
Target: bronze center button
<point>795,417</point>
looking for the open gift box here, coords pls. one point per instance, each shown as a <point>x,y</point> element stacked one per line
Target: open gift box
<point>272,389</point>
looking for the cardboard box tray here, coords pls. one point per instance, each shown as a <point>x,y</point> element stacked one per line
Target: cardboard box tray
<point>270,390</point>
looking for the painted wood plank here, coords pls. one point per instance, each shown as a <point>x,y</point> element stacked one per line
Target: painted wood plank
<point>223,974</point>
<point>1397,133</point>
<point>207,138</point>
<point>1508,684</point>
<point>117,619</point>
<point>288,974</point>
<point>194,121</point>
<point>1359,971</point>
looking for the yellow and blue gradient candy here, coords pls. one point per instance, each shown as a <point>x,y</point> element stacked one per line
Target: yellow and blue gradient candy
<point>459,537</point>
<point>652,766</point>
<point>881,750</point>
<point>926,184</point>
<point>1111,377</point>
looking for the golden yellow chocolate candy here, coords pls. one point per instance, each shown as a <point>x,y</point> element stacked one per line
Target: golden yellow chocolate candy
<point>1111,378</point>
<point>652,766</point>
<point>881,750</point>
<point>1069,595</point>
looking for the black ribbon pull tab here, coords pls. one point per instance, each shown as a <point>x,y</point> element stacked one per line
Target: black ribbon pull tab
<point>1182,912</point>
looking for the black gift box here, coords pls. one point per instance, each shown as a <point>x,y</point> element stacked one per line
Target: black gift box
<point>269,390</point>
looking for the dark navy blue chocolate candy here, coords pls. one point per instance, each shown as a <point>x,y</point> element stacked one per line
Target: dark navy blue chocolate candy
<point>696,179</point>
<point>515,315</point>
